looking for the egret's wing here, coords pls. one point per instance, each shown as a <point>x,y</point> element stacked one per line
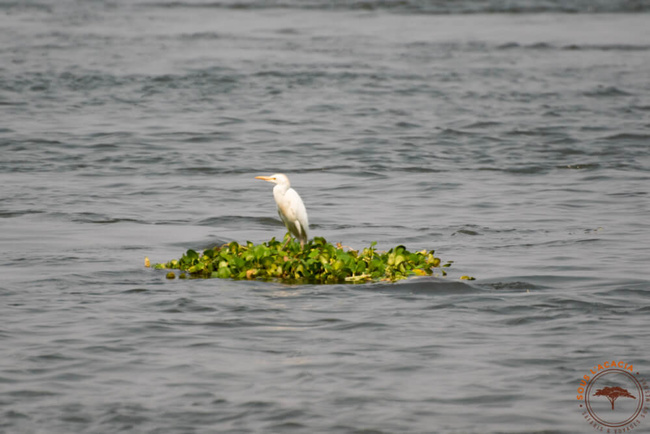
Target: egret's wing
<point>294,211</point>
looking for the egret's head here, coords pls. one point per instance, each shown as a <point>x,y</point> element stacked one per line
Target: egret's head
<point>278,178</point>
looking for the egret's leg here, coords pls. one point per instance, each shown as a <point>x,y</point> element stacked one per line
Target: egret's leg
<point>288,240</point>
<point>301,234</point>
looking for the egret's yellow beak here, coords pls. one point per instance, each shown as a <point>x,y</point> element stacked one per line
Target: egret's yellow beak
<point>265,178</point>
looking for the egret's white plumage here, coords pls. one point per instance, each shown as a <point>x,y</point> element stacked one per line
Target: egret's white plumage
<point>290,206</point>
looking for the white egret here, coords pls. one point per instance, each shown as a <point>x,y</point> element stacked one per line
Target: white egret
<point>290,207</point>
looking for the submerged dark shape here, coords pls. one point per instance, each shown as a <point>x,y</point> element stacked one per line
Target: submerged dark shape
<point>316,262</point>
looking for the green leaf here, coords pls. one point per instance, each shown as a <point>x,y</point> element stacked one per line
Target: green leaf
<point>223,273</point>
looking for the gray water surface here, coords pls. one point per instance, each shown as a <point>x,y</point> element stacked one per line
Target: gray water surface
<point>515,144</point>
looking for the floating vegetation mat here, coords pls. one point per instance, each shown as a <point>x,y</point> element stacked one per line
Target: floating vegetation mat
<point>318,262</point>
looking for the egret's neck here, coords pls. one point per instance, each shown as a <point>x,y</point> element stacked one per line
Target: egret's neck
<point>279,190</point>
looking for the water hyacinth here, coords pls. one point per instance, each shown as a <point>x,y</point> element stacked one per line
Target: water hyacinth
<point>318,262</point>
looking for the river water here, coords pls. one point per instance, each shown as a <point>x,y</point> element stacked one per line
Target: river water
<point>512,138</point>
